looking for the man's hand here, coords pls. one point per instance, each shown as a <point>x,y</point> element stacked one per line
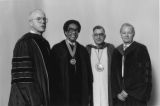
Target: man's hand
<point>122,96</point>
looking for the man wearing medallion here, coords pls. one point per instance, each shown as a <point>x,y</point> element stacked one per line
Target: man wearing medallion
<point>130,71</point>
<point>100,55</point>
<point>72,75</point>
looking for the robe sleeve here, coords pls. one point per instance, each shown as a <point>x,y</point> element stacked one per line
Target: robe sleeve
<point>24,91</point>
<point>90,80</point>
<point>148,75</point>
<point>143,90</point>
<point>115,78</point>
<point>88,47</point>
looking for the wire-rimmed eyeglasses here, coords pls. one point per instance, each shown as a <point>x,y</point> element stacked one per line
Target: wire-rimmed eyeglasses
<point>40,19</point>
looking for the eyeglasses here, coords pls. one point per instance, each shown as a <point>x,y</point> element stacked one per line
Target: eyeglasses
<point>40,19</point>
<point>72,30</point>
<point>100,34</point>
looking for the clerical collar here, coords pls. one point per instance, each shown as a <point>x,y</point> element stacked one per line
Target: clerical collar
<point>31,31</point>
<point>125,46</point>
<point>71,42</point>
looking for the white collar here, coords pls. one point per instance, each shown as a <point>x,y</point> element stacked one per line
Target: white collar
<point>125,46</point>
<point>31,31</point>
<point>71,42</point>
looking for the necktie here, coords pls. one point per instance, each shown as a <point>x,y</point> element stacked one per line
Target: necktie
<point>72,46</point>
<point>124,47</point>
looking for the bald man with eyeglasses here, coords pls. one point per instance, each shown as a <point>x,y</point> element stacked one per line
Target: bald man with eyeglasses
<point>30,65</point>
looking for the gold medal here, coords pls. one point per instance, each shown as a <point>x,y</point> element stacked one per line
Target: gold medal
<point>73,61</point>
<point>99,67</point>
<point>72,53</point>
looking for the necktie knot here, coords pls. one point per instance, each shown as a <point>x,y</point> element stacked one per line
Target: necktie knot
<point>124,47</point>
<point>72,46</point>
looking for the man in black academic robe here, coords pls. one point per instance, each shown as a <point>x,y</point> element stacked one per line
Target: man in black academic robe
<point>30,65</point>
<point>130,71</point>
<point>71,80</point>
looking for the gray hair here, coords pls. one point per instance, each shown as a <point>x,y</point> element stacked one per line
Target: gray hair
<point>98,27</point>
<point>128,25</point>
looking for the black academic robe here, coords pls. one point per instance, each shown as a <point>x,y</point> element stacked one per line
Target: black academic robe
<point>70,84</point>
<point>110,49</point>
<point>30,82</point>
<point>137,75</point>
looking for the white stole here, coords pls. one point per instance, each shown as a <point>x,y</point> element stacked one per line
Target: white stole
<point>100,79</point>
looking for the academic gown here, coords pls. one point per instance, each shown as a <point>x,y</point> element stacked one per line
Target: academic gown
<point>137,75</point>
<point>71,84</point>
<point>30,65</point>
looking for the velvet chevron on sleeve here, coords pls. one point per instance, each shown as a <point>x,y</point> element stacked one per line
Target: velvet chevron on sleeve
<point>29,81</point>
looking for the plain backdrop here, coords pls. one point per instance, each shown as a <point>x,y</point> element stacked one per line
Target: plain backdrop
<point>142,14</point>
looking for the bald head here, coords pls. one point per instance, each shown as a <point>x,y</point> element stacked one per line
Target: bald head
<point>33,13</point>
<point>37,21</point>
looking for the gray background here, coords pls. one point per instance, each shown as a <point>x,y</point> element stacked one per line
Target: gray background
<point>143,14</point>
